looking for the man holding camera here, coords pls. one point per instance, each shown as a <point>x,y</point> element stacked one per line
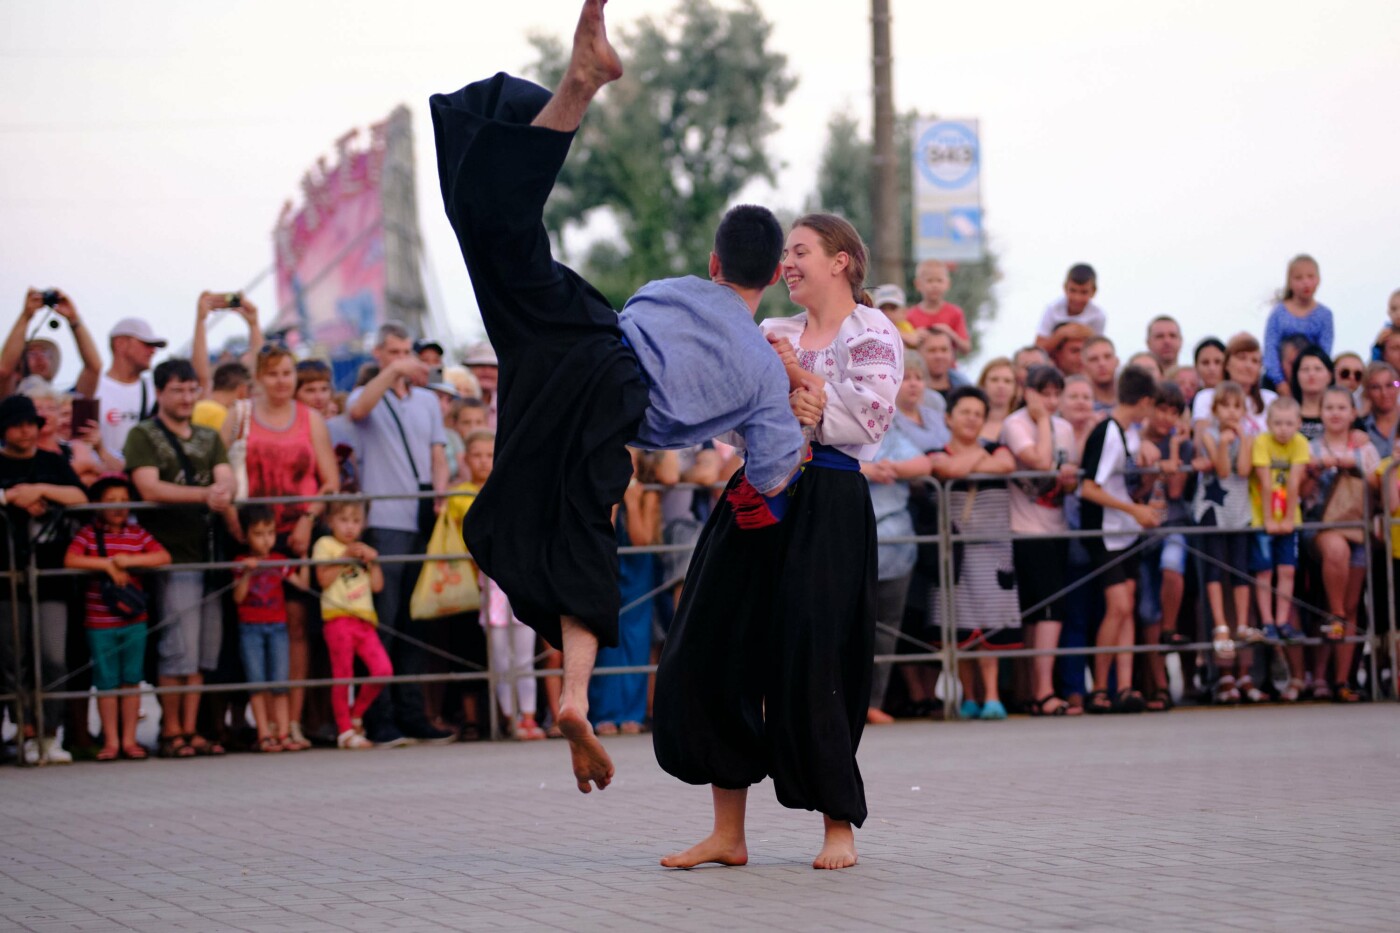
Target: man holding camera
<point>27,352</point>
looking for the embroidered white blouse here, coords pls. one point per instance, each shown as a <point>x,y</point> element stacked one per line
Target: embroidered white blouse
<point>862,367</point>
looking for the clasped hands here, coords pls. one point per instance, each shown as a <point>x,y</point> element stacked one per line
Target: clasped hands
<point>808,391</point>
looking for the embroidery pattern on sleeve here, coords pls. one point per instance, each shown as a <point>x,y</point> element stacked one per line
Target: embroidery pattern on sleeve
<point>871,352</point>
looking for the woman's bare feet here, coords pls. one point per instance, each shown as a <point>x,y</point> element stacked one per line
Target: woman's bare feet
<point>875,716</point>
<point>591,762</point>
<point>839,846</point>
<point>713,848</point>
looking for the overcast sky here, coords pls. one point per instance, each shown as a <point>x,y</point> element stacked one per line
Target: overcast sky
<point>1186,149</point>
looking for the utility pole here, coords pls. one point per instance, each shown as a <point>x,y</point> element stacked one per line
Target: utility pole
<point>884,179</point>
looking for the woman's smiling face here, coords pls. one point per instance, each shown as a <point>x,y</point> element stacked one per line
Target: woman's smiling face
<point>808,269</point>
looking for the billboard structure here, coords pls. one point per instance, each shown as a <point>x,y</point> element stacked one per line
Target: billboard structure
<point>948,191</point>
<point>348,258</point>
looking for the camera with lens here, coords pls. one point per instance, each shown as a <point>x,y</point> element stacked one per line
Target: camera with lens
<point>52,297</point>
<point>235,299</point>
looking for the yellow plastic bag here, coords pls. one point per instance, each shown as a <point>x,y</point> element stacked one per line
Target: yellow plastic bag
<point>445,587</point>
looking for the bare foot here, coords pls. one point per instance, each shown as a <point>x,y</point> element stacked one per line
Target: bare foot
<point>594,61</point>
<point>591,762</point>
<point>839,847</point>
<point>875,716</point>
<point>710,849</point>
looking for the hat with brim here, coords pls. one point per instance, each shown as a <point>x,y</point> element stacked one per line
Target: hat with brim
<point>19,409</point>
<point>135,327</point>
<point>888,295</point>
<point>420,345</point>
<point>480,354</point>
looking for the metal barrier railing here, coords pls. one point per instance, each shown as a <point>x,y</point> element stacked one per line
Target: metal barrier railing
<point>31,696</point>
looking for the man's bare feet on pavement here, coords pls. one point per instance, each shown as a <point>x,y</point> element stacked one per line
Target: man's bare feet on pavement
<point>713,848</point>
<point>594,61</point>
<point>591,762</point>
<point>839,847</point>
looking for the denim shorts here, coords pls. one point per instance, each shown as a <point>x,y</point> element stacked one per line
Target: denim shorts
<point>1269,551</point>
<point>118,655</point>
<point>263,647</point>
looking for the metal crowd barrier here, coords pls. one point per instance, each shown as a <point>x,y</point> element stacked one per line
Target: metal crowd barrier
<point>949,654</point>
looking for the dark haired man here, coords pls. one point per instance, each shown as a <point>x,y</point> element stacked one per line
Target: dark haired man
<point>174,461</point>
<point>680,365</point>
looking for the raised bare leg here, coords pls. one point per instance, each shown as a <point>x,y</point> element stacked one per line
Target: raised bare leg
<point>591,762</point>
<point>593,64</point>
<point>838,847</point>
<point>725,844</point>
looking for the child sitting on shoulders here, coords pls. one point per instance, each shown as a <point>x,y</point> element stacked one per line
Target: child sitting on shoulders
<point>262,628</point>
<point>115,620</point>
<point>347,606</point>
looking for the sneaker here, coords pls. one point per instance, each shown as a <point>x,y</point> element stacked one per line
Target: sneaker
<point>31,751</point>
<point>55,753</point>
<point>390,738</point>
<point>428,734</point>
<point>970,709</point>
<point>352,739</point>
<point>1250,635</point>
<point>1290,632</point>
<point>1271,632</point>
<point>993,710</point>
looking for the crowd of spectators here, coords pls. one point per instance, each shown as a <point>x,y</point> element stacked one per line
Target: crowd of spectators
<point>1242,442</point>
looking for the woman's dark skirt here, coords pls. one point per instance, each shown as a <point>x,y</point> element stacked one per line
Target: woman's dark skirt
<point>571,392</point>
<point>766,669</point>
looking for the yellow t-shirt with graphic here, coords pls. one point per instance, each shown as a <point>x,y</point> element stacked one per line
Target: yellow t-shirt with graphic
<point>1280,459</point>
<point>350,594</point>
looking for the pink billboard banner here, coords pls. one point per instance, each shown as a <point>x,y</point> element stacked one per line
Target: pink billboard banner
<point>330,252</point>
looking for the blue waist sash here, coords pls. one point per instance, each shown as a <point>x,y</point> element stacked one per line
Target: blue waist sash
<point>829,458</point>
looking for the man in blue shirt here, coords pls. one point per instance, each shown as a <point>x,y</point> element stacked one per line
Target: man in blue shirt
<point>683,363</point>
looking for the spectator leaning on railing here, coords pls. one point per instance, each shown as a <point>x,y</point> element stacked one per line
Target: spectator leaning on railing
<point>179,463</point>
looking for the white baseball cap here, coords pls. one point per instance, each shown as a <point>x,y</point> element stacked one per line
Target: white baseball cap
<point>136,327</point>
<point>888,295</point>
<point>480,354</point>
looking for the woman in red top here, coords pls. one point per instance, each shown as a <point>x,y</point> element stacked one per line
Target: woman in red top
<point>289,453</point>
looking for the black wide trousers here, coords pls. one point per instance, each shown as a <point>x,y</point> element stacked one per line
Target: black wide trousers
<point>766,669</point>
<point>571,393</point>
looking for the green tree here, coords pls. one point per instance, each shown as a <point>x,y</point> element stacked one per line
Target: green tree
<point>843,187</point>
<point>665,150</point>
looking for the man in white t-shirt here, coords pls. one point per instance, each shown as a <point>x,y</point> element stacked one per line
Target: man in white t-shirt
<point>1077,307</point>
<point>125,391</point>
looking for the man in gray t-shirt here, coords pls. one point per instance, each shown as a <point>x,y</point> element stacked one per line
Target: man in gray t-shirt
<point>401,443</point>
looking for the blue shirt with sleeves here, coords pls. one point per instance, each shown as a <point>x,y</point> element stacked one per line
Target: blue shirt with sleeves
<point>711,371</point>
<point>1316,325</point>
<point>387,467</point>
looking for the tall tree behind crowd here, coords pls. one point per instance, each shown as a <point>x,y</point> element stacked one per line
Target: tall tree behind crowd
<point>668,147</point>
<point>843,186</point>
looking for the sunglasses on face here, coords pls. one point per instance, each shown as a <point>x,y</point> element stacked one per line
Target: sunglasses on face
<point>1348,374</point>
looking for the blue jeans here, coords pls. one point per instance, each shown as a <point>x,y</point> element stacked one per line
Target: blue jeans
<point>263,647</point>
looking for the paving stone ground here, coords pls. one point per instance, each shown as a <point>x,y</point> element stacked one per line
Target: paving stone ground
<point>1255,819</point>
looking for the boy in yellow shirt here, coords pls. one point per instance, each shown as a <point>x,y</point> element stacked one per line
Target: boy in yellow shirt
<point>1279,459</point>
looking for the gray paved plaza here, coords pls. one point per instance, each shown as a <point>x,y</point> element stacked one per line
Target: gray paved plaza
<point>1251,819</point>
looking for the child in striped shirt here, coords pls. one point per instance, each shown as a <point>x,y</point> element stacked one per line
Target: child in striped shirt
<point>116,627</point>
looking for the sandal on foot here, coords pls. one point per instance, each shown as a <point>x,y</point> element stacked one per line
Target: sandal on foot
<point>1098,703</point>
<point>1037,708</point>
<point>1130,701</point>
<point>1226,691</point>
<point>1222,644</point>
<point>605,728</point>
<point>203,746</point>
<point>1291,692</point>
<point>1321,692</point>
<point>1160,702</point>
<point>174,746</point>
<point>290,743</point>
<point>1250,693</point>
<point>134,753</point>
<point>1341,693</point>
<point>107,754</point>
